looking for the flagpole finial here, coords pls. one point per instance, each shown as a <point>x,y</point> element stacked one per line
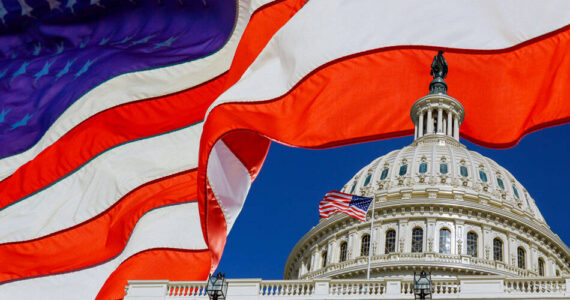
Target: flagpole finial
<point>439,72</point>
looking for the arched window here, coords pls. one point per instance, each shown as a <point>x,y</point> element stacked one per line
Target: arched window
<point>521,258</point>
<point>540,267</point>
<point>483,175</point>
<point>497,249</point>
<point>365,245</point>
<point>324,259</point>
<point>417,239</point>
<point>444,241</point>
<point>353,187</point>
<point>390,241</point>
<point>472,244</point>
<point>384,174</point>
<point>423,168</point>
<point>367,179</point>
<point>463,171</point>
<point>500,183</point>
<point>403,170</point>
<point>308,265</point>
<point>443,168</point>
<point>557,273</point>
<point>343,251</point>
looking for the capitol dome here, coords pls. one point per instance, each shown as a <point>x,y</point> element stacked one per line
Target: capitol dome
<point>437,207</point>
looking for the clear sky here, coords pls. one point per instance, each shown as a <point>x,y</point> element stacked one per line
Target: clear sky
<point>283,202</point>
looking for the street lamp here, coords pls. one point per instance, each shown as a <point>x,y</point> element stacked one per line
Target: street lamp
<point>422,285</point>
<point>217,287</point>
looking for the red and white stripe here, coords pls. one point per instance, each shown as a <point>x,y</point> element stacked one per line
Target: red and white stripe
<point>341,72</point>
<point>333,202</point>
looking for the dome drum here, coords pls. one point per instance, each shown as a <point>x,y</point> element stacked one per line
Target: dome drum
<point>432,218</point>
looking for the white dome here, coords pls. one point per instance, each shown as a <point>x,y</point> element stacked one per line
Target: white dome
<point>424,161</point>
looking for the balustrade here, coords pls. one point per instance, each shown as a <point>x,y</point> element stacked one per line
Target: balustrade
<point>445,288</point>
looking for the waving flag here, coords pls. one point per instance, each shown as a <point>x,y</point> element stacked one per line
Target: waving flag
<point>342,72</point>
<point>101,112</point>
<point>352,205</point>
<point>100,126</point>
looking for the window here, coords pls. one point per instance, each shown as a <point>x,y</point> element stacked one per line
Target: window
<point>501,184</point>
<point>403,170</point>
<point>472,244</point>
<point>443,168</point>
<point>557,273</point>
<point>444,241</point>
<point>423,168</point>
<point>308,265</point>
<point>384,174</point>
<point>324,259</point>
<point>515,191</point>
<point>343,251</point>
<point>463,171</point>
<point>540,267</point>
<point>353,187</point>
<point>497,249</point>
<point>483,175</point>
<point>417,239</point>
<point>365,245</point>
<point>390,241</point>
<point>367,180</point>
<point>521,258</point>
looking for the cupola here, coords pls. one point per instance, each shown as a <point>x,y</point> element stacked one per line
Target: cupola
<point>437,115</point>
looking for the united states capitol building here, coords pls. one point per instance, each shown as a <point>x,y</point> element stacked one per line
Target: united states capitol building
<point>438,207</point>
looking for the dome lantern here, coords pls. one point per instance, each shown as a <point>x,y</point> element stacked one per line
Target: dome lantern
<point>437,115</point>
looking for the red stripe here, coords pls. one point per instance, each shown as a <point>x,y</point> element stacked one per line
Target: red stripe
<point>108,129</point>
<point>261,27</point>
<point>97,239</point>
<point>169,264</point>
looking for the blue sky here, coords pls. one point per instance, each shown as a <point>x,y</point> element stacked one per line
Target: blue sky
<point>283,202</point>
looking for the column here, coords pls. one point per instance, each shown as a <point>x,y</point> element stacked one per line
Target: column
<point>459,244</point>
<point>421,125</point>
<point>431,235</point>
<point>456,127</point>
<point>449,122</point>
<point>487,243</point>
<point>415,132</point>
<point>429,122</point>
<point>532,261</point>
<point>402,236</point>
<point>510,253</point>
<point>439,120</point>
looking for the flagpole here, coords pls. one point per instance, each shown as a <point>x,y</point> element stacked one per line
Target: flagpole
<point>371,239</point>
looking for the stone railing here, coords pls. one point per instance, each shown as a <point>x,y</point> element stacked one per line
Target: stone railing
<point>476,287</point>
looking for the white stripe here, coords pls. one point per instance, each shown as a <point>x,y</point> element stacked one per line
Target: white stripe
<point>230,181</point>
<point>138,85</point>
<point>325,30</point>
<point>160,228</point>
<point>99,184</point>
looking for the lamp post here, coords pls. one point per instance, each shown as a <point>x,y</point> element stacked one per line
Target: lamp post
<point>217,287</point>
<point>422,285</point>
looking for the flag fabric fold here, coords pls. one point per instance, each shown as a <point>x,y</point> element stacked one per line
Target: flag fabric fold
<point>94,190</point>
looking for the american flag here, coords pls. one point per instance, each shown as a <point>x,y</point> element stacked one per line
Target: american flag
<point>354,206</point>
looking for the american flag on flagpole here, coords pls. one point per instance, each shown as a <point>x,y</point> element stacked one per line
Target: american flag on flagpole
<point>352,205</point>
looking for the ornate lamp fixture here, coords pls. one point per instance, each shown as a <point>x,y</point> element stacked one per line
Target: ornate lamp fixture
<point>217,287</point>
<point>422,285</point>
